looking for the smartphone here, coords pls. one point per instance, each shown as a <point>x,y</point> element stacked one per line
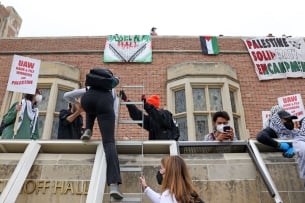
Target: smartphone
<point>226,128</point>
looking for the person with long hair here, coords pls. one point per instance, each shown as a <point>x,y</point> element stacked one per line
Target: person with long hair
<point>176,183</point>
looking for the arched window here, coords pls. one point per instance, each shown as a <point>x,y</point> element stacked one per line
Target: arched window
<point>196,90</point>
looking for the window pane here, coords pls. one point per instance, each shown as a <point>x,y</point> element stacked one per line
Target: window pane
<point>60,102</point>
<point>201,125</point>
<point>43,105</point>
<point>233,104</point>
<point>183,128</point>
<point>215,99</point>
<point>41,120</point>
<point>199,99</point>
<point>180,105</point>
<point>55,128</point>
<point>236,127</point>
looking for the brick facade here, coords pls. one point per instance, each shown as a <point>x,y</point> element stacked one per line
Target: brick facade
<point>87,52</point>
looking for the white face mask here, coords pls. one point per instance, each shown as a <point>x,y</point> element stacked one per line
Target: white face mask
<point>38,98</point>
<point>220,128</point>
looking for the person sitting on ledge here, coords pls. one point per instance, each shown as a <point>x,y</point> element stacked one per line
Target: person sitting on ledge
<point>281,126</point>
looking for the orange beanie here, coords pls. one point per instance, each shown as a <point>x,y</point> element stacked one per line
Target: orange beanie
<point>154,100</point>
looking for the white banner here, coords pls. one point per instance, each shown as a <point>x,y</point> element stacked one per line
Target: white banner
<point>24,75</point>
<point>277,57</point>
<point>128,48</point>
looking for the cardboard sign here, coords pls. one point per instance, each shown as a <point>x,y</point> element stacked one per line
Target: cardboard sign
<point>24,75</point>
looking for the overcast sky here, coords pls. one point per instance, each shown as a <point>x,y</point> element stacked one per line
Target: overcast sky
<point>170,17</point>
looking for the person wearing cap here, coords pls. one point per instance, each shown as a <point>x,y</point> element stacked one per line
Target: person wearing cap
<point>281,126</point>
<point>155,121</point>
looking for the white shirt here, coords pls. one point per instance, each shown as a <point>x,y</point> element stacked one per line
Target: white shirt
<point>155,197</point>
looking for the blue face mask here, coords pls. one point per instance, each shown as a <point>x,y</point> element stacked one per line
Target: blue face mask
<point>159,177</point>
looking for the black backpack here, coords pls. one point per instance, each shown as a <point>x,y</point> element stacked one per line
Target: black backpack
<point>172,133</point>
<point>101,78</point>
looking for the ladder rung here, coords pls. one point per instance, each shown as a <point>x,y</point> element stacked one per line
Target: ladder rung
<point>131,121</point>
<point>133,86</point>
<point>139,102</point>
<point>131,169</point>
<point>127,199</point>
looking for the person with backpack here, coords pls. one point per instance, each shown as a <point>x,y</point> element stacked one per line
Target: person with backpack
<point>97,100</point>
<point>157,121</point>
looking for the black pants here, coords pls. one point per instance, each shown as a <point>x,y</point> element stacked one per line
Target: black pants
<point>99,104</point>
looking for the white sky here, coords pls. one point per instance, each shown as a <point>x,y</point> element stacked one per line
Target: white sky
<point>170,17</point>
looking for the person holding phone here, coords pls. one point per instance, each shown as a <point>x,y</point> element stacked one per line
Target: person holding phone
<point>221,129</point>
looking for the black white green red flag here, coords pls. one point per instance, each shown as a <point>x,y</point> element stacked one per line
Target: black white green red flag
<point>209,45</point>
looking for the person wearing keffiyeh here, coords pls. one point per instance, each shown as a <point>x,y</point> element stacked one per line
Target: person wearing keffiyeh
<point>280,126</point>
<point>27,113</point>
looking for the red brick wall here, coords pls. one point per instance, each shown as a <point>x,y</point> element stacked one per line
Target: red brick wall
<point>86,52</point>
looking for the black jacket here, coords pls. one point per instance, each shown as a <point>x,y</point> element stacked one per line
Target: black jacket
<point>155,121</point>
<point>67,130</point>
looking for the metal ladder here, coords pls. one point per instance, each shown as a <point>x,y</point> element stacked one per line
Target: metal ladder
<point>138,90</point>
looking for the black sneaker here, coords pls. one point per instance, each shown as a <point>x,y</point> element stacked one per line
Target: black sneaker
<point>86,135</point>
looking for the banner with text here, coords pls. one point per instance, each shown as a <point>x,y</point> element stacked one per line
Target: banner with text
<point>277,57</point>
<point>24,75</point>
<point>128,48</point>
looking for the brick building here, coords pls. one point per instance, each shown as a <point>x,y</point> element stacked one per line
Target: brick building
<point>10,21</point>
<point>190,84</point>
<point>182,76</point>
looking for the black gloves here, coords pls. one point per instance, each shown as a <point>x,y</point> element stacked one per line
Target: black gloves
<point>143,98</point>
<point>123,95</point>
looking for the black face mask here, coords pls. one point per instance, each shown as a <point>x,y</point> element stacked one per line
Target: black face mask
<point>159,177</point>
<point>289,125</point>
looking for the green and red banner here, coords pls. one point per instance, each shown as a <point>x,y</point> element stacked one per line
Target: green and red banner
<point>277,57</point>
<point>128,48</point>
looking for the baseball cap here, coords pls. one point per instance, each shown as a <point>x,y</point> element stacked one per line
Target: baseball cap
<point>285,114</point>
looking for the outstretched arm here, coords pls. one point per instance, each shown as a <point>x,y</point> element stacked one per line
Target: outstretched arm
<point>72,96</point>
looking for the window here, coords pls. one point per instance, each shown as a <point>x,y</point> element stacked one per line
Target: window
<point>54,80</point>
<point>194,98</point>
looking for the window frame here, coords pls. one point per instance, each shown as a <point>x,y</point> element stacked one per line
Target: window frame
<point>191,77</point>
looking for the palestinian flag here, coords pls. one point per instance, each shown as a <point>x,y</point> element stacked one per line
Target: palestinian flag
<point>209,45</point>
